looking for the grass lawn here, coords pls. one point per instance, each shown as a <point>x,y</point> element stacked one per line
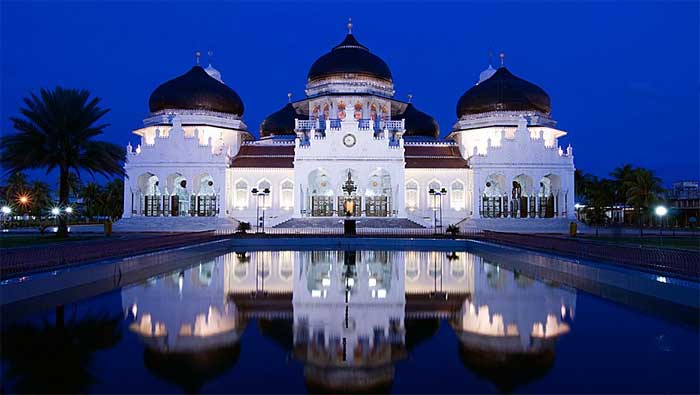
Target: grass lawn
<point>9,241</point>
<point>684,242</point>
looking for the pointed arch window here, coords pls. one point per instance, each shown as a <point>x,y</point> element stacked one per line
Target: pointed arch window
<point>412,195</point>
<point>240,198</point>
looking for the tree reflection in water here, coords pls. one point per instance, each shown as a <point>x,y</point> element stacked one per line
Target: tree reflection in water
<point>56,358</point>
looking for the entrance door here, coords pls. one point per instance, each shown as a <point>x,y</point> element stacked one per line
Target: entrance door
<point>174,206</point>
<point>355,207</point>
<point>377,206</point>
<point>322,206</point>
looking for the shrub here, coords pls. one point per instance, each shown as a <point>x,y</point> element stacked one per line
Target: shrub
<point>453,229</point>
<point>243,227</point>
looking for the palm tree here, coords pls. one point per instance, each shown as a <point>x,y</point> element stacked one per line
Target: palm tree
<point>601,197</point>
<point>114,198</point>
<point>17,185</point>
<point>58,130</point>
<point>91,195</point>
<point>41,197</point>
<point>643,191</point>
<point>622,176</point>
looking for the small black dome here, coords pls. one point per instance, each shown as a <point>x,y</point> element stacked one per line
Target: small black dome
<point>196,90</point>
<point>349,57</point>
<point>281,122</point>
<point>503,92</point>
<point>418,123</point>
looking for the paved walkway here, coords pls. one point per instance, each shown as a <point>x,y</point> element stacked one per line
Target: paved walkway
<point>25,260</point>
<point>674,262</point>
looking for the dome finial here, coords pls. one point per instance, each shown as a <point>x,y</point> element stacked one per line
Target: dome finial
<point>502,55</point>
<point>349,25</point>
<point>410,97</point>
<point>197,55</point>
<point>490,58</point>
<point>289,97</point>
<point>211,55</point>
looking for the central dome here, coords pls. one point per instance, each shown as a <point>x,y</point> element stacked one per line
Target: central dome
<point>196,90</point>
<point>349,57</point>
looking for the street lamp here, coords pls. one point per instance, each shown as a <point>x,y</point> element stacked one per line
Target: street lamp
<point>437,206</point>
<point>261,219</point>
<point>661,211</point>
<point>6,210</point>
<point>69,210</point>
<point>55,211</point>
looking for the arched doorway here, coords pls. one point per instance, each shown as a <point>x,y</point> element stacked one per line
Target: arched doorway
<point>179,196</point>
<point>378,194</point>
<point>494,200</point>
<point>548,196</point>
<point>522,203</point>
<point>349,195</point>
<point>320,193</point>
<point>206,199</point>
<point>149,189</point>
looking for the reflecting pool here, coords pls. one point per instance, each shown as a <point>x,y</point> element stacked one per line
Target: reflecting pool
<point>348,321</point>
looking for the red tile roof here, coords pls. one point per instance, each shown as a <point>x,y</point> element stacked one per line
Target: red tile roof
<point>434,157</point>
<point>278,156</point>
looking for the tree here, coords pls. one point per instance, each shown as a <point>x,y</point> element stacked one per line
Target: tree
<point>643,191</point>
<point>113,200</point>
<point>17,186</point>
<point>601,197</point>
<point>622,176</point>
<point>58,130</point>
<point>40,197</point>
<point>91,193</point>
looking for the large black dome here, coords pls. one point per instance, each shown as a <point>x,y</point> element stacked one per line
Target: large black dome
<point>418,123</point>
<point>349,57</point>
<point>281,122</point>
<point>503,92</point>
<point>196,90</point>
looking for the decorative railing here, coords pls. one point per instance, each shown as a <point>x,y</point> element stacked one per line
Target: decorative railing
<point>335,124</point>
<point>393,125</point>
<point>364,124</point>
<point>303,124</point>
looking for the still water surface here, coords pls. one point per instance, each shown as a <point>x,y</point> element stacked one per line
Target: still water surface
<point>347,321</point>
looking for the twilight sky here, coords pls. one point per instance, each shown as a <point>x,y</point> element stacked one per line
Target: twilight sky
<point>624,77</point>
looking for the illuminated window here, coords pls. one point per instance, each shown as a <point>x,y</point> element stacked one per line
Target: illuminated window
<point>287,195</point>
<point>412,195</point>
<point>457,195</point>
<point>241,195</point>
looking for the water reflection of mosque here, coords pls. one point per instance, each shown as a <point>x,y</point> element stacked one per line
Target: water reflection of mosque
<point>348,316</point>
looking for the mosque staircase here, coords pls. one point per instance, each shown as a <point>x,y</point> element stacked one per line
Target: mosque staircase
<point>174,224</point>
<point>363,222</point>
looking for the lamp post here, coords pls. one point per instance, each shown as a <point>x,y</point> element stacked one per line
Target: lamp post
<point>437,206</point>
<point>260,194</point>
<point>661,211</point>
<point>443,192</point>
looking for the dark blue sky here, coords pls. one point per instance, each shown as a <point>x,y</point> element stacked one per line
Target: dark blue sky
<point>623,76</point>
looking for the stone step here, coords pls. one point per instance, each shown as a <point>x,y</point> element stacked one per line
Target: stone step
<point>362,222</point>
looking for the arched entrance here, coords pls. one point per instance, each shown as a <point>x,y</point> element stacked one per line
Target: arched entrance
<point>548,196</point>
<point>206,203</point>
<point>494,201</point>
<point>320,193</point>
<point>522,203</point>
<point>349,196</point>
<point>149,188</point>
<point>179,196</point>
<point>378,194</point>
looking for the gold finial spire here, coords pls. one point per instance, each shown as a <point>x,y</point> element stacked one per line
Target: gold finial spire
<point>349,25</point>
<point>410,97</point>
<point>197,55</point>
<point>289,97</point>
<point>503,58</point>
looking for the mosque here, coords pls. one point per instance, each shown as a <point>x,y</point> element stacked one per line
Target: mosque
<point>350,148</point>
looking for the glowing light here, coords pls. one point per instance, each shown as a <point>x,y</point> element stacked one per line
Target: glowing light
<point>6,210</point>
<point>578,206</point>
<point>316,293</point>
<point>372,282</point>
<point>381,294</point>
<point>351,282</point>
<point>55,211</point>
<point>661,279</point>
<point>326,282</point>
<point>563,311</point>
<point>69,210</point>
<point>134,310</point>
<point>661,211</point>
<point>24,199</point>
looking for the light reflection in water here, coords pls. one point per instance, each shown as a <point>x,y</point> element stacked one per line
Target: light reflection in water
<point>349,316</point>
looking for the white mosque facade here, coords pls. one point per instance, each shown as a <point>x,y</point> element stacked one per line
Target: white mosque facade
<point>350,148</point>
